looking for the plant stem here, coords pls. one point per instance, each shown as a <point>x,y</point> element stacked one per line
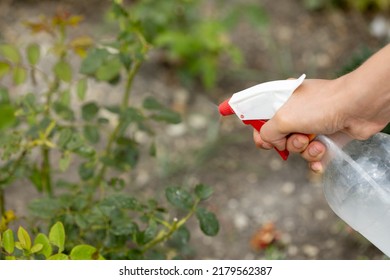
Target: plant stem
<point>45,151</point>
<point>5,180</point>
<point>46,171</point>
<point>174,227</point>
<point>113,136</point>
<point>2,202</point>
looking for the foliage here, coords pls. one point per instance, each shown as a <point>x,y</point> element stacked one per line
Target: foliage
<point>360,5</point>
<point>190,38</point>
<point>46,114</point>
<point>49,247</point>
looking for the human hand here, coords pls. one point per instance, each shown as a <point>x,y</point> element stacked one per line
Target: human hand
<point>312,151</point>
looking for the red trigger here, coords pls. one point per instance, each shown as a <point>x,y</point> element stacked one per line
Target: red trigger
<point>257,124</point>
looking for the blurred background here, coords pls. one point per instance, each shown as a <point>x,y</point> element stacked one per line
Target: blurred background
<point>267,208</point>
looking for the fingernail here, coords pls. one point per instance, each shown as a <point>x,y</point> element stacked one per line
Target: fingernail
<point>267,146</point>
<point>313,151</point>
<point>299,143</point>
<point>316,167</point>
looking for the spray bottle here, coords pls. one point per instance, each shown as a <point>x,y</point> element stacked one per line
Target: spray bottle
<point>356,182</point>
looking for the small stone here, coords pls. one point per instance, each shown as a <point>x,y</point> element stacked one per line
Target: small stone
<point>310,250</point>
<point>241,221</point>
<point>292,250</point>
<point>275,164</point>
<point>320,215</point>
<point>197,121</point>
<point>288,188</point>
<point>176,130</point>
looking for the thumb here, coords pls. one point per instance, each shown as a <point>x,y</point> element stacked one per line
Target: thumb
<point>270,134</point>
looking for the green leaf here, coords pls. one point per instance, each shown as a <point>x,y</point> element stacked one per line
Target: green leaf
<point>208,222</point>
<point>150,232</point>
<point>161,113</point>
<point>109,70</point>
<point>8,242</point>
<point>64,137</point>
<point>65,98</point>
<point>36,177</point>
<point>89,111</point>
<point>151,103</point>
<point>36,248</point>
<point>118,10</point>
<point>63,71</point>
<point>46,247</point>
<point>45,207</point>
<point>57,236</point>
<point>203,192</point>
<point>123,226</point>
<point>119,201</point>
<point>85,252</point>
<point>82,87</point>
<point>64,161</point>
<point>59,257</point>
<point>153,149</point>
<point>75,142</point>
<point>4,68</point>
<point>86,171</point>
<point>93,61</point>
<point>33,53</point>
<point>182,236</point>
<point>208,69</point>
<point>167,116</point>
<point>4,96</point>
<point>126,156</point>
<point>91,133</point>
<point>7,116</point>
<point>19,75</point>
<point>24,238</point>
<point>11,53</point>
<point>63,111</point>
<point>19,246</point>
<point>179,197</point>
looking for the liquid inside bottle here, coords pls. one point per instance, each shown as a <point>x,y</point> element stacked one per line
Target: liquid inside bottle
<point>357,186</point>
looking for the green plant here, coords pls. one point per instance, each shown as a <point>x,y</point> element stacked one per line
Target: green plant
<point>189,38</point>
<point>50,127</point>
<point>49,247</point>
<point>360,5</point>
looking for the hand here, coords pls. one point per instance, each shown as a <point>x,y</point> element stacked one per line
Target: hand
<point>312,152</point>
<point>356,104</point>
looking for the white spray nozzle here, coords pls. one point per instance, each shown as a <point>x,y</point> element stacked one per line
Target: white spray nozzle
<point>261,102</point>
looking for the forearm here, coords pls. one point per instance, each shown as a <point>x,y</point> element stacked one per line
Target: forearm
<point>368,89</point>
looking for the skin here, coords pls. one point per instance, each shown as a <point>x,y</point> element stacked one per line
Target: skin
<point>356,104</point>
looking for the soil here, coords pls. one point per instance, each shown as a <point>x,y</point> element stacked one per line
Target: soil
<point>253,189</point>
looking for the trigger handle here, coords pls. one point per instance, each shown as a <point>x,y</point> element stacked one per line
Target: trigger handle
<point>257,124</point>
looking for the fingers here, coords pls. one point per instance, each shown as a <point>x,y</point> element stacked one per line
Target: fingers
<point>297,143</point>
<point>270,135</point>
<point>259,142</point>
<point>312,152</point>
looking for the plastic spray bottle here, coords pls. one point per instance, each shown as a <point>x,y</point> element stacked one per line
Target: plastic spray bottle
<point>356,182</point>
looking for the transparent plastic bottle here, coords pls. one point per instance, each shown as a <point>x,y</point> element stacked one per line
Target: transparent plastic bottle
<point>357,185</point>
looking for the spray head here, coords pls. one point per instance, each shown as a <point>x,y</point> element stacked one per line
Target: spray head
<point>257,104</point>
<point>225,109</point>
